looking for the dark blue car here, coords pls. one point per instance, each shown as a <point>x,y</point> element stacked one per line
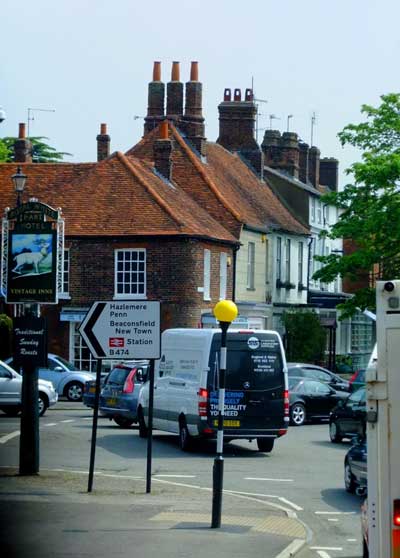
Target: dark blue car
<point>120,394</point>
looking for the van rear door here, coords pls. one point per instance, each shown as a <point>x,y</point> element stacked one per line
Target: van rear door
<point>254,385</point>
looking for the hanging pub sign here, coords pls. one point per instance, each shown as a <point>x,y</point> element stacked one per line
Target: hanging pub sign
<point>32,253</point>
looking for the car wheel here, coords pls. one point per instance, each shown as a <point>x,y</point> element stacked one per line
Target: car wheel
<point>333,433</point>
<point>265,444</point>
<point>43,404</point>
<point>349,480</point>
<point>298,414</point>
<point>185,443</point>
<point>74,391</point>
<point>123,422</point>
<point>143,430</point>
<point>11,411</point>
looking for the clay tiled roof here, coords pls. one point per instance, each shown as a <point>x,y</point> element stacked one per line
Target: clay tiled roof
<point>223,185</point>
<point>114,197</point>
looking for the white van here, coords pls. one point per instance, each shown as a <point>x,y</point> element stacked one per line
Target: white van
<point>186,387</point>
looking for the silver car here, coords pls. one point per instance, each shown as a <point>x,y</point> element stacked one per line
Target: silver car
<point>65,377</point>
<point>10,392</point>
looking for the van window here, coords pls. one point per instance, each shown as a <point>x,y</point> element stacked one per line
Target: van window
<point>261,367</point>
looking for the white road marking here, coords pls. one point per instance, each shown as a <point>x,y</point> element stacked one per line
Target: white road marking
<point>50,424</point>
<point>326,548</point>
<point>323,554</point>
<point>351,540</point>
<point>69,420</point>
<point>176,476</point>
<point>284,500</point>
<point>332,519</point>
<point>264,479</point>
<point>335,513</point>
<point>7,437</point>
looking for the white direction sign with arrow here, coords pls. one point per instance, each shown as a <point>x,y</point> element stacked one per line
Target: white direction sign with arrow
<point>123,329</point>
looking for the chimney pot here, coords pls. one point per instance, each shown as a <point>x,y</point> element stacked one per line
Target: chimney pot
<point>194,71</point>
<point>103,129</point>
<point>237,95</point>
<point>249,95</point>
<point>175,73</point>
<point>21,131</point>
<point>103,143</point>
<point>164,130</point>
<point>157,71</point>
<point>227,95</point>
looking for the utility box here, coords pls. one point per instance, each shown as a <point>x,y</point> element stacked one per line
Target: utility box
<point>383,426</point>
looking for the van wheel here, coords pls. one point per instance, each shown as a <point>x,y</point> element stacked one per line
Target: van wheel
<point>265,444</point>
<point>185,442</point>
<point>143,430</point>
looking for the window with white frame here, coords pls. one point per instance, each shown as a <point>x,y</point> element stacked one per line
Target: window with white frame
<point>313,200</point>
<point>279,258</point>
<point>287,260</point>
<point>300,256</point>
<point>251,251</point>
<point>207,275</point>
<point>223,267</point>
<point>130,273</point>
<point>319,212</point>
<point>65,274</point>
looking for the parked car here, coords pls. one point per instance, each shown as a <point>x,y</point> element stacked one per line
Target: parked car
<point>355,466</point>
<point>348,418</point>
<point>10,392</point>
<point>120,393</point>
<point>314,372</point>
<point>310,399</point>
<point>65,377</point>
<point>357,380</point>
<point>89,391</point>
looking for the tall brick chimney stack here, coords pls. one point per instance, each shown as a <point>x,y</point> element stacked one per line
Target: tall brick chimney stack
<point>162,151</point>
<point>103,143</point>
<point>175,95</point>
<point>281,152</point>
<point>303,161</point>
<point>237,121</point>
<point>313,165</point>
<point>22,146</point>
<point>193,122</point>
<point>155,106</point>
<point>328,173</point>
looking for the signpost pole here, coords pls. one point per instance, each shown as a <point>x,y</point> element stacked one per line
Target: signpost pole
<point>29,439</point>
<point>150,433</point>
<point>94,425</point>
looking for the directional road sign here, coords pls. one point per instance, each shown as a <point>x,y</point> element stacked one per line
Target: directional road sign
<point>123,329</point>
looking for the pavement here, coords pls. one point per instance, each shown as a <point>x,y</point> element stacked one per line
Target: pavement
<point>51,515</point>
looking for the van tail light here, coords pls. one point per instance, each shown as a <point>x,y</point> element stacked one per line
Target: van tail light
<point>129,384</point>
<point>396,513</point>
<point>286,402</point>
<point>203,401</point>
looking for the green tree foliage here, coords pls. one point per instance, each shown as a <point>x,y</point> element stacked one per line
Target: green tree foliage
<point>305,337</point>
<point>6,326</point>
<point>370,207</point>
<point>41,151</point>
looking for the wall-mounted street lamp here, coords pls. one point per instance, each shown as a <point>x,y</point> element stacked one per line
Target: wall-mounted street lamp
<point>225,311</point>
<point>19,179</point>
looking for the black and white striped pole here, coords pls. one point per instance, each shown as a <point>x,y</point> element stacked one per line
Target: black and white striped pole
<point>225,312</point>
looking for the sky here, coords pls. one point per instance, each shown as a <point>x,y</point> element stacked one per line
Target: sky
<point>90,61</point>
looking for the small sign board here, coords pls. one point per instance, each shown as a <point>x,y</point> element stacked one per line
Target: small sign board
<point>123,329</point>
<point>29,342</point>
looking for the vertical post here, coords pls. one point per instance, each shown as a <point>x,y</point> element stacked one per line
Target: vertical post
<point>218,469</point>
<point>29,439</point>
<point>150,428</point>
<point>94,425</point>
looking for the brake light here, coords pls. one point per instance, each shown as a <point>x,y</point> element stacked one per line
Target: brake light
<point>129,384</point>
<point>396,513</point>
<point>286,402</point>
<point>203,400</point>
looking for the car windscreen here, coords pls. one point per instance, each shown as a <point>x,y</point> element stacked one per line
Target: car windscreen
<point>67,364</point>
<point>118,375</point>
<point>261,367</point>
